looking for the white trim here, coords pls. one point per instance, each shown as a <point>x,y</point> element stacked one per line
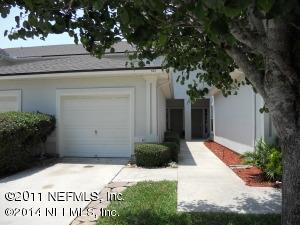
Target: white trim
<point>13,93</point>
<point>233,145</point>
<point>254,119</point>
<point>214,119</point>
<point>130,91</point>
<point>187,119</point>
<point>151,108</point>
<point>117,73</point>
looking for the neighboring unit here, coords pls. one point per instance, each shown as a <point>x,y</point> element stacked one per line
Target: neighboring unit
<point>102,107</point>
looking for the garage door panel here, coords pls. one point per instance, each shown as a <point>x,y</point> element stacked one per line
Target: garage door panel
<point>8,103</point>
<point>93,150</point>
<point>96,143</point>
<point>87,120</point>
<point>98,102</point>
<point>108,116</point>
<point>91,136</point>
<point>73,133</point>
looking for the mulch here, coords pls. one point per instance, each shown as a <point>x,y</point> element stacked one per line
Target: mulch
<point>252,176</point>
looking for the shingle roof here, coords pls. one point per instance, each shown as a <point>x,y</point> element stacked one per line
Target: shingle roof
<point>65,58</point>
<point>53,50</point>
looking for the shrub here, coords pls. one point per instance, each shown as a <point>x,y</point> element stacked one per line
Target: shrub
<point>266,157</point>
<point>152,155</point>
<point>171,136</point>
<point>174,150</point>
<point>20,133</point>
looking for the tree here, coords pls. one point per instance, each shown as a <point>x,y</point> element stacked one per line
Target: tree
<point>261,37</point>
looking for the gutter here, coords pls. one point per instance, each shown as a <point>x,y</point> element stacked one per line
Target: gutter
<point>81,73</point>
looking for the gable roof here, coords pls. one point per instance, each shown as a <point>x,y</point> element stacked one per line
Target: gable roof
<point>64,58</point>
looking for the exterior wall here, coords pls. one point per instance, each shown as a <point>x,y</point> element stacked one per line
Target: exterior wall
<point>180,93</point>
<point>234,120</point>
<point>40,95</point>
<point>161,114</point>
<point>238,123</point>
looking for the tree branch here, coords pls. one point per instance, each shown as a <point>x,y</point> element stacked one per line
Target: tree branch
<point>252,73</point>
<point>255,21</point>
<point>254,41</point>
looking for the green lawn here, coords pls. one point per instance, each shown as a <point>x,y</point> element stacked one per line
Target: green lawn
<point>154,203</point>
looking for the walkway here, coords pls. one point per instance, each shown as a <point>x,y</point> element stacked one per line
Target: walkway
<point>206,184</point>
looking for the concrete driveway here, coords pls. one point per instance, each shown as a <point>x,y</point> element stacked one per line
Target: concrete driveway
<point>60,190</point>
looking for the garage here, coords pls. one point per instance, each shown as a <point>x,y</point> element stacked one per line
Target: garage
<point>10,101</point>
<point>95,124</point>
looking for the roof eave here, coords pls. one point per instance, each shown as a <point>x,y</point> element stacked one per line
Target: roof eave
<point>80,73</point>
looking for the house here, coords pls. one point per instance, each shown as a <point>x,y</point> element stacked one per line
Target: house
<point>103,107</point>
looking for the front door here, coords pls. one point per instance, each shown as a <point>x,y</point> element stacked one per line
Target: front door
<point>197,123</point>
<point>176,121</point>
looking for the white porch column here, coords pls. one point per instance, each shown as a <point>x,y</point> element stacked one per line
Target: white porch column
<point>151,109</point>
<point>187,119</point>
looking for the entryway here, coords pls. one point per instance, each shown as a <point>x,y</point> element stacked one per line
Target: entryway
<point>198,114</point>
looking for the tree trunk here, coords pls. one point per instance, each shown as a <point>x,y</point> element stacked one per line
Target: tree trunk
<point>282,102</point>
<point>282,89</point>
<point>284,117</point>
<point>291,180</point>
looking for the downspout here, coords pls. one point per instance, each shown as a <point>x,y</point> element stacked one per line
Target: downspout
<point>254,131</point>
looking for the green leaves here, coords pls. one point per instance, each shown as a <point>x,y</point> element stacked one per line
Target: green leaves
<point>214,4</point>
<point>4,10</point>
<point>266,157</point>
<point>190,35</point>
<point>17,19</point>
<point>32,20</point>
<point>264,109</point>
<point>19,133</point>
<point>265,5</point>
<point>124,15</point>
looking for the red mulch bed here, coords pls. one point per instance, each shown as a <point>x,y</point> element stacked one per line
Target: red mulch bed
<point>252,176</point>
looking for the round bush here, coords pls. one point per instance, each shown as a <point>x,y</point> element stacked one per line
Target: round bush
<point>174,150</point>
<point>20,134</point>
<point>152,155</point>
<point>172,139</point>
<point>171,136</point>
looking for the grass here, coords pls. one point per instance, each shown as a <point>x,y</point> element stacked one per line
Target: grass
<point>154,203</point>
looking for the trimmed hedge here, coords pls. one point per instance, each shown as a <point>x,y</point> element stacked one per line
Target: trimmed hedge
<point>20,133</point>
<point>152,155</point>
<point>174,150</point>
<point>171,136</point>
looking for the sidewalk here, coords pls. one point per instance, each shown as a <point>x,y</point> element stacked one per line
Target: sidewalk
<point>206,184</point>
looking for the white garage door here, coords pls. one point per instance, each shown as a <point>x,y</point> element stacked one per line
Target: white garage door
<point>95,126</point>
<point>9,101</point>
